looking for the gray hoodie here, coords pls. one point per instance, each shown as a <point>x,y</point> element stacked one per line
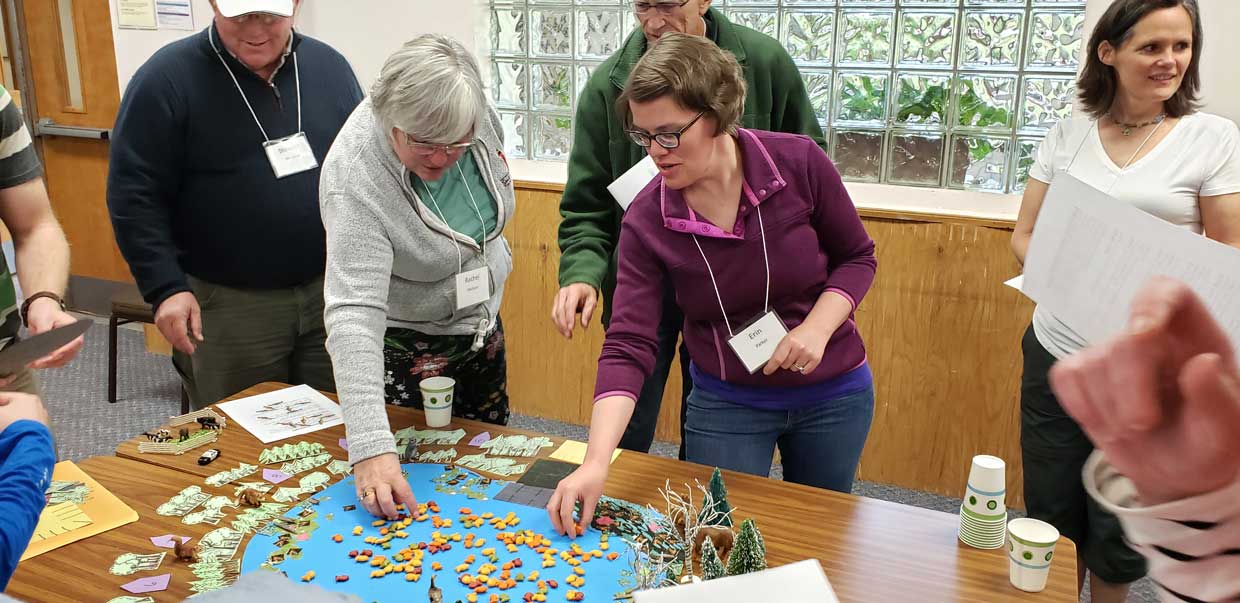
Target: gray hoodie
<point>391,261</point>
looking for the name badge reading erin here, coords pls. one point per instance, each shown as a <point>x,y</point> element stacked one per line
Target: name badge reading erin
<point>290,155</point>
<point>473,287</point>
<point>755,344</point>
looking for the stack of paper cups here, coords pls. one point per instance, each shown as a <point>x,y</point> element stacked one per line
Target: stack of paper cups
<point>983,515</point>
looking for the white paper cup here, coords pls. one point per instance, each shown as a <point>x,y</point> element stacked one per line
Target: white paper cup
<point>987,475</point>
<point>437,395</point>
<point>1031,546</point>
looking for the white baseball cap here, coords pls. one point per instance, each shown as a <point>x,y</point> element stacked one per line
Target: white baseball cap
<point>233,8</point>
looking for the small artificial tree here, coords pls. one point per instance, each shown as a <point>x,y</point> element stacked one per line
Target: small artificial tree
<point>749,554</point>
<point>719,500</point>
<point>712,566</point>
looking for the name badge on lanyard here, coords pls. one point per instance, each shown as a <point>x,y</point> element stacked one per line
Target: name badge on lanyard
<point>473,287</point>
<point>290,155</point>
<point>755,344</point>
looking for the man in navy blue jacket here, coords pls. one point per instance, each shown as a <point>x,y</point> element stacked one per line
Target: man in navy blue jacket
<point>213,193</point>
<point>26,460</point>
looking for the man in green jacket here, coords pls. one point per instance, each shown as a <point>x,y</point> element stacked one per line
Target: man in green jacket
<point>776,100</point>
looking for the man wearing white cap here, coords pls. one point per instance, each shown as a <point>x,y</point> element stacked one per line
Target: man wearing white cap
<point>213,193</point>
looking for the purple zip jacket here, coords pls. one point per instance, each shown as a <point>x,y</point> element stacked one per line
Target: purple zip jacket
<point>815,241</point>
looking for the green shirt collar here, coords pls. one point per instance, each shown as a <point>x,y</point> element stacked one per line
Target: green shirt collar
<point>721,31</point>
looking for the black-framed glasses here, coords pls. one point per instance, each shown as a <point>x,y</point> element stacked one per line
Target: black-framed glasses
<point>667,140</point>
<point>664,8</point>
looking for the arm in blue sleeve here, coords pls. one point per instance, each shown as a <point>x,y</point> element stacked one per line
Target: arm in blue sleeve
<point>26,460</point>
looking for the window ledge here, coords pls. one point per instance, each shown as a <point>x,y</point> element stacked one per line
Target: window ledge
<point>879,199</point>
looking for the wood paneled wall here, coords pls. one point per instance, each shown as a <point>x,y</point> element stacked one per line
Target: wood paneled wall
<point>942,331</point>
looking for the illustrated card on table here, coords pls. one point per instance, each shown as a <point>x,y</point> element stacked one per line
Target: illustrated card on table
<point>284,413</point>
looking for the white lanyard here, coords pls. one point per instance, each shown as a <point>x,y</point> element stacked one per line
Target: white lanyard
<point>296,77</point>
<point>460,259</point>
<point>1104,150</point>
<point>766,303</point>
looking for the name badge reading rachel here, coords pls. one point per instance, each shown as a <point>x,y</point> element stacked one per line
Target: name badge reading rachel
<point>473,287</point>
<point>290,155</point>
<point>755,344</point>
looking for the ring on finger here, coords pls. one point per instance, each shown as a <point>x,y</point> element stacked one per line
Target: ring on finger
<point>367,493</point>
<point>800,368</point>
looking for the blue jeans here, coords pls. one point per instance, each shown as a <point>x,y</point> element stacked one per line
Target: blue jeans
<point>820,446</point>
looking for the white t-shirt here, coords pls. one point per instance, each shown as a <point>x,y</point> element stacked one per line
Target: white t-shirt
<point>1200,157</point>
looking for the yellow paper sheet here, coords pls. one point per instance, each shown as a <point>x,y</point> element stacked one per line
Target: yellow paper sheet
<point>60,519</point>
<point>68,522</point>
<point>573,451</point>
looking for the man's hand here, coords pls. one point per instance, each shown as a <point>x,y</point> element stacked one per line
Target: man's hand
<point>44,315</point>
<point>180,320</point>
<point>577,297</point>
<point>16,406</point>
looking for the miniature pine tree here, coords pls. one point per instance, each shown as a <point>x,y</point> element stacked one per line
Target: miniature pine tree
<point>749,554</point>
<point>712,566</point>
<point>719,498</point>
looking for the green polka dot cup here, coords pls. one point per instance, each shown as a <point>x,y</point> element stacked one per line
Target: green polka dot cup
<point>1031,549</point>
<point>437,395</point>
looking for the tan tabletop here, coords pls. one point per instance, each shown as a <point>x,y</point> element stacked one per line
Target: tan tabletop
<point>871,550</point>
<point>79,571</point>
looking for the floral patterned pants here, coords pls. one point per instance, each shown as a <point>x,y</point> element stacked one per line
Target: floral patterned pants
<point>481,376</point>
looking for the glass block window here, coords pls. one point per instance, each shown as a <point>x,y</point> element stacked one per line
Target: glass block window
<point>937,93</point>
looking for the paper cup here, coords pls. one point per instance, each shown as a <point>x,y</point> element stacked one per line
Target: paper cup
<point>1031,546</point>
<point>986,477</point>
<point>437,394</point>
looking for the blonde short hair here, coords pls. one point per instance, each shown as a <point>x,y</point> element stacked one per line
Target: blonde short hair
<point>695,72</point>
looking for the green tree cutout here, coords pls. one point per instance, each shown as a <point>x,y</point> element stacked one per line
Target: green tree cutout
<point>749,553</point>
<point>712,566</point>
<point>719,494</point>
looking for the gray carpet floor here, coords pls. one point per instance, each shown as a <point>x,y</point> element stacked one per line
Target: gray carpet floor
<point>148,391</point>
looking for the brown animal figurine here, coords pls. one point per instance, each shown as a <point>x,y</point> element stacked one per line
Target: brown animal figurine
<point>184,433</point>
<point>250,498</point>
<point>185,552</point>
<point>720,536</point>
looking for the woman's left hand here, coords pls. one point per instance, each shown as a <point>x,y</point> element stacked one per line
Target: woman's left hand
<point>800,350</point>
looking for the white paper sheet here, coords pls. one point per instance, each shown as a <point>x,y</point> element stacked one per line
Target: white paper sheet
<point>1091,253</point>
<point>174,14</point>
<point>135,14</point>
<point>1016,282</point>
<point>626,187</point>
<point>285,413</point>
<point>800,582</point>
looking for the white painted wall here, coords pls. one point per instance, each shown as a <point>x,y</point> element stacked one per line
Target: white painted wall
<point>135,46</point>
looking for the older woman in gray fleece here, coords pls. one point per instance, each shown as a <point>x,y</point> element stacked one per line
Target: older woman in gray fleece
<point>415,194</point>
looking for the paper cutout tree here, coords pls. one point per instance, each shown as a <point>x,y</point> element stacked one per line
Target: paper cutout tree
<point>718,501</point>
<point>712,566</point>
<point>749,554</point>
<point>646,570</point>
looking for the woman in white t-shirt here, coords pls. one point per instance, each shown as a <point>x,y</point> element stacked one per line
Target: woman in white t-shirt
<point>1142,142</point>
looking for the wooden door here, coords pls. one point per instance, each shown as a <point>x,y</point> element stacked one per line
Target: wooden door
<point>72,68</point>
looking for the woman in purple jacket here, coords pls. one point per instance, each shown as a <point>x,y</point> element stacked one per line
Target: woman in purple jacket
<point>768,258</point>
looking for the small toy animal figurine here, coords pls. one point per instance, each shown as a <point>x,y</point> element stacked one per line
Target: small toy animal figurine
<point>184,434</point>
<point>208,423</point>
<point>250,498</point>
<point>720,536</point>
<point>209,456</point>
<point>434,594</point>
<point>184,551</point>
<point>159,437</point>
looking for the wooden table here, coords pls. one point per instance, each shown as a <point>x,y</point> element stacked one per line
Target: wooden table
<point>79,571</point>
<point>871,550</point>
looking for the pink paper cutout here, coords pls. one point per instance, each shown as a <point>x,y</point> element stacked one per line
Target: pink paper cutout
<point>166,541</point>
<point>303,537</point>
<point>149,584</point>
<point>344,444</point>
<point>275,476</point>
<point>481,439</point>
<point>604,521</point>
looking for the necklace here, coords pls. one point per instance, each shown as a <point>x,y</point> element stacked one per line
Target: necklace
<point>1128,128</point>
